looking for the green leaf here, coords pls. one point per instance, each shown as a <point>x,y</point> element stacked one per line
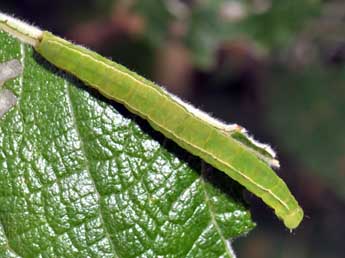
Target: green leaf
<point>82,177</point>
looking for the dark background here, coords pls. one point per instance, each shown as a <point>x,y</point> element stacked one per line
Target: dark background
<point>274,66</point>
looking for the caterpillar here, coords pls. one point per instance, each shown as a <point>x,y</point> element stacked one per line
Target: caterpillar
<point>225,147</point>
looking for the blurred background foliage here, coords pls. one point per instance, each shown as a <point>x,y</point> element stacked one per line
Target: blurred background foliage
<point>274,66</point>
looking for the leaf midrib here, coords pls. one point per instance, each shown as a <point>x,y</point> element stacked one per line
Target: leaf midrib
<point>212,213</point>
<point>87,167</point>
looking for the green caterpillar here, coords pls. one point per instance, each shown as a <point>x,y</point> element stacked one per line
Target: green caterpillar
<point>227,148</point>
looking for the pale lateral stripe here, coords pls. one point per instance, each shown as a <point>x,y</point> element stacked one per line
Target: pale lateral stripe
<point>32,35</point>
<point>114,69</point>
<point>227,128</point>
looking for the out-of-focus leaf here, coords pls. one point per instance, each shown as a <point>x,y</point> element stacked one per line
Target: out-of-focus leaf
<point>307,114</point>
<point>278,26</point>
<point>211,22</point>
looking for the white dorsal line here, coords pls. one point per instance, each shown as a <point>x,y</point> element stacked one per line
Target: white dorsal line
<point>114,69</point>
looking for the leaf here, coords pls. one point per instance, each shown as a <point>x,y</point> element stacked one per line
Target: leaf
<point>82,177</point>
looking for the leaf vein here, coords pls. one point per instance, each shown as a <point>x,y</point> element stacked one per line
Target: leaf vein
<point>212,215</point>
<point>70,104</point>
